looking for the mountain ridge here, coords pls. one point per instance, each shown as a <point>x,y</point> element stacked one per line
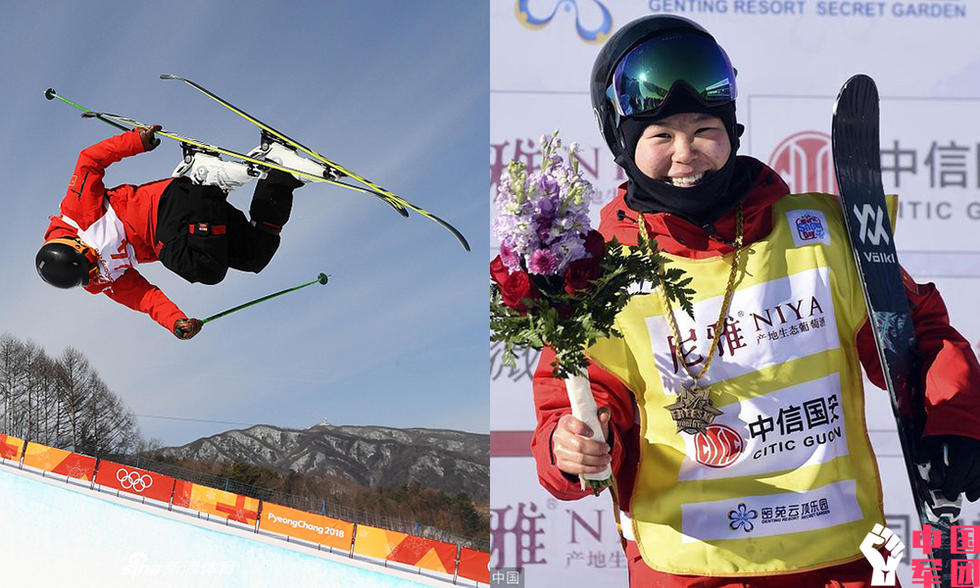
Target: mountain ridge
<point>371,455</point>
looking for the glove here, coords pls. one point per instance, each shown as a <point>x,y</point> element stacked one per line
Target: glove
<point>186,328</point>
<point>148,138</point>
<point>955,470</point>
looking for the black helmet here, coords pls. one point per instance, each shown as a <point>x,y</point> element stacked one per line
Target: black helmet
<point>66,263</point>
<point>639,66</point>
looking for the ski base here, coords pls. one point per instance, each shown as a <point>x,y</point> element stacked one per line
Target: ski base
<point>857,161</point>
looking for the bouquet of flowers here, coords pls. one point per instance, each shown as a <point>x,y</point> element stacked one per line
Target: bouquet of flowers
<point>556,281</point>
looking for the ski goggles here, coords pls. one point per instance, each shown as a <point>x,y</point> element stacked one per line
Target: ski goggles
<point>645,75</point>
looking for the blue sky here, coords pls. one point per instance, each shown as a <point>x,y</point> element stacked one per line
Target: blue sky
<point>396,91</point>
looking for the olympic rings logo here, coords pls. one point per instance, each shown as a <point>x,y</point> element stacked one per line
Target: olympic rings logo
<point>133,480</point>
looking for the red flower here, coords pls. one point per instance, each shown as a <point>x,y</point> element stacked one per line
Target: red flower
<point>595,245</point>
<point>514,286</point>
<point>582,271</point>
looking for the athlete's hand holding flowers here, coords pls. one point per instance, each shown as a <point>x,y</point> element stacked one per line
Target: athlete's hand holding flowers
<point>556,281</point>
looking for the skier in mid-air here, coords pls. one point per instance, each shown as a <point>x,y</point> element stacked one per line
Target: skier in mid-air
<point>738,442</point>
<point>184,221</point>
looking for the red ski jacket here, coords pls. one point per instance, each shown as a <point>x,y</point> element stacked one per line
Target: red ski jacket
<point>950,368</point>
<point>120,224</point>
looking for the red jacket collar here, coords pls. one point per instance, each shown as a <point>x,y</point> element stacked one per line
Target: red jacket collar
<point>678,236</point>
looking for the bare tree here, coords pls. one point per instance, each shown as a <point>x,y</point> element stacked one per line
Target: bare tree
<point>75,379</point>
<point>61,402</point>
<point>14,384</point>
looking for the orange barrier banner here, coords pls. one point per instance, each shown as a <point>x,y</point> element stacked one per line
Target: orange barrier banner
<point>474,565</point>
<point>217,502</point>
<point>11,447</point>
<point>405,548</point>
<point>306,526</point>
<point>375,542</point>
<point>134,480</point>
<point>59,461</point>
<point>425,553</point>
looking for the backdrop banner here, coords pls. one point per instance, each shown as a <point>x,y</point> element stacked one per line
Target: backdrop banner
<point>473,565</point>
<point>306,526</point>
<point>134,480</point>
<point>216,502</point>
<point>59,461</point>
<point>374,542</point>
<point>792,57</point>
<point>11,447</point>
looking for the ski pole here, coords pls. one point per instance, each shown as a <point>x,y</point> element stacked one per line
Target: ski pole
<point>321,279</point>
<point>50,94</point>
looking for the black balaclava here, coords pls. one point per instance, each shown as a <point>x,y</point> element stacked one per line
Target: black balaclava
<point>702,204</point>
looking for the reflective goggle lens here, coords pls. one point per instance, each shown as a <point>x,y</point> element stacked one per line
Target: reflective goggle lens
<point>646,74</point>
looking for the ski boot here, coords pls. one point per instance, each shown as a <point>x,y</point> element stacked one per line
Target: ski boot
<point>208,169</point>
<point>276,152</point>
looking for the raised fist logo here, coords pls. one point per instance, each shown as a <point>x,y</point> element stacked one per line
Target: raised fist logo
<point>884,572</point>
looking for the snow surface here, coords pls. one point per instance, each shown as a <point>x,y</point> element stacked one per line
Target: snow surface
<point>57,531</point>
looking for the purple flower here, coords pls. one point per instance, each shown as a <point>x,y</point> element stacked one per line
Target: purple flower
<point>547,185</point>
<point>566,248</point>
<point>547,205</point>
<point>542,262</point>
<point>574,244</point>
<point>544,229</point>
<point>542,216</point>
<point>510,258</point>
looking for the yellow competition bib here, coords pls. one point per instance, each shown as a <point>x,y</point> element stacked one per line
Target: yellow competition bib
<point>784,479</point>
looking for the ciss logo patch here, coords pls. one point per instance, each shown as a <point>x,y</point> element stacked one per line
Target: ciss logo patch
<point>808,227</point>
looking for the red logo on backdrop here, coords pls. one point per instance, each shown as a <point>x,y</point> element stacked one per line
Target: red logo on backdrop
<point>805,160</point>
<point>718,447</point>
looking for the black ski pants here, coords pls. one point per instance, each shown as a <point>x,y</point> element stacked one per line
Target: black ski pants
<point>202,235</point>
